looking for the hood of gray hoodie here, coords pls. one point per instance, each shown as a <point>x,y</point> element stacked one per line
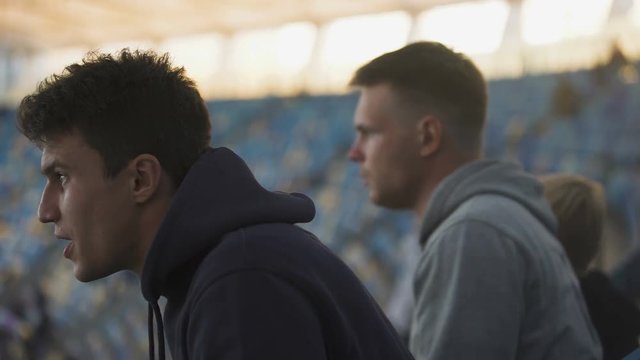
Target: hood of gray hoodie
<point>486,177</point>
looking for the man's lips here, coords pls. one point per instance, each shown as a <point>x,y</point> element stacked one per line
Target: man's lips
<point>364,179</point>
<point>68,250</point>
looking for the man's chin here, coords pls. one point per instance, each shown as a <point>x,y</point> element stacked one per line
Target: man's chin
<point>389,203</point>
<point>376,200</point>
<point>84,276</point>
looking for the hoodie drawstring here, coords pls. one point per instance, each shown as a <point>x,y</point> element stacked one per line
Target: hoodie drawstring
<point>154,309</point>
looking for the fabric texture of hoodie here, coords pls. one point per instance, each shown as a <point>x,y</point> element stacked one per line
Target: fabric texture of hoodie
<point>492,281</point>
<point>241,281</point>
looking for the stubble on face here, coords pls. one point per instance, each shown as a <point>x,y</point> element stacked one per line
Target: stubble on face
<point>388,145</point>
<point>88,209</point>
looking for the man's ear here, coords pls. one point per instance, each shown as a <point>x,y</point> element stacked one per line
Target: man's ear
<point>430,132</point>
<point>147,175</point>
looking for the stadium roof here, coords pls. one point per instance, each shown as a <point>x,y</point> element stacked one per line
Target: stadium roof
<point>248,48</point>
<point>37,24</point>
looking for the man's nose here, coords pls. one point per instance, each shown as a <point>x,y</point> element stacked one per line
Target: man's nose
<point>48,210</point>
<point>355,154</point>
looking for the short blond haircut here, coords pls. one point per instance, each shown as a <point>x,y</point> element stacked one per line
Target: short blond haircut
<point>579,206</point>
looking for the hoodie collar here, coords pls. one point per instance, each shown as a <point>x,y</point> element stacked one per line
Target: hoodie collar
<point>485,177</point>
<point>219,194</point>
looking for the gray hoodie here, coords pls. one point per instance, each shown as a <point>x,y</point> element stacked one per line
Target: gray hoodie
<point>492,281</point>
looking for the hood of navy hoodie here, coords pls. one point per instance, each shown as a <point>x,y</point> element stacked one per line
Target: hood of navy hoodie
<point>219,194</point>
<point>486,177</point>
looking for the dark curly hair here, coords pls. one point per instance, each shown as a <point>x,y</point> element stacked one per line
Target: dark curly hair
<point>430,77</point>
<point>123,105</point>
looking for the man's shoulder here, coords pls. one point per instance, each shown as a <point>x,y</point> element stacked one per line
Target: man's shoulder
<point>493,210</point>
<point>264,239</point>
<point>269,247</point>
<point>484,205</point>
<point>493,215</point>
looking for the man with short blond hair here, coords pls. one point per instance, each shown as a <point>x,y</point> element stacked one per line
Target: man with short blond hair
<point>492,282</point>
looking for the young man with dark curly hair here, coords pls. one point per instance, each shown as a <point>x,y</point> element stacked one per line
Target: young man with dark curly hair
<point>132,184</point>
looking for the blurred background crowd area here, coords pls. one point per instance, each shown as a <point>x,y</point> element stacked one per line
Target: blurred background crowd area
<point>583,122</point>
<point>569,102</point>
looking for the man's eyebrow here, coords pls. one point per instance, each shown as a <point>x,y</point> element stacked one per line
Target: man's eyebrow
<point>364,128</point>
<point>50,168</point>
<point>360,127</point>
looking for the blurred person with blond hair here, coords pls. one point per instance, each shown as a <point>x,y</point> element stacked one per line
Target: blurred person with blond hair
<point>580,207</point>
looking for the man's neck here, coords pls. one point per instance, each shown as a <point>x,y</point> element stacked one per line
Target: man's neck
<point>441,168</point>
<point>149,225</point>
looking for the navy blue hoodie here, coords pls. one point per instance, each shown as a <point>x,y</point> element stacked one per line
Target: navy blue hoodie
<point>242,282</point>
